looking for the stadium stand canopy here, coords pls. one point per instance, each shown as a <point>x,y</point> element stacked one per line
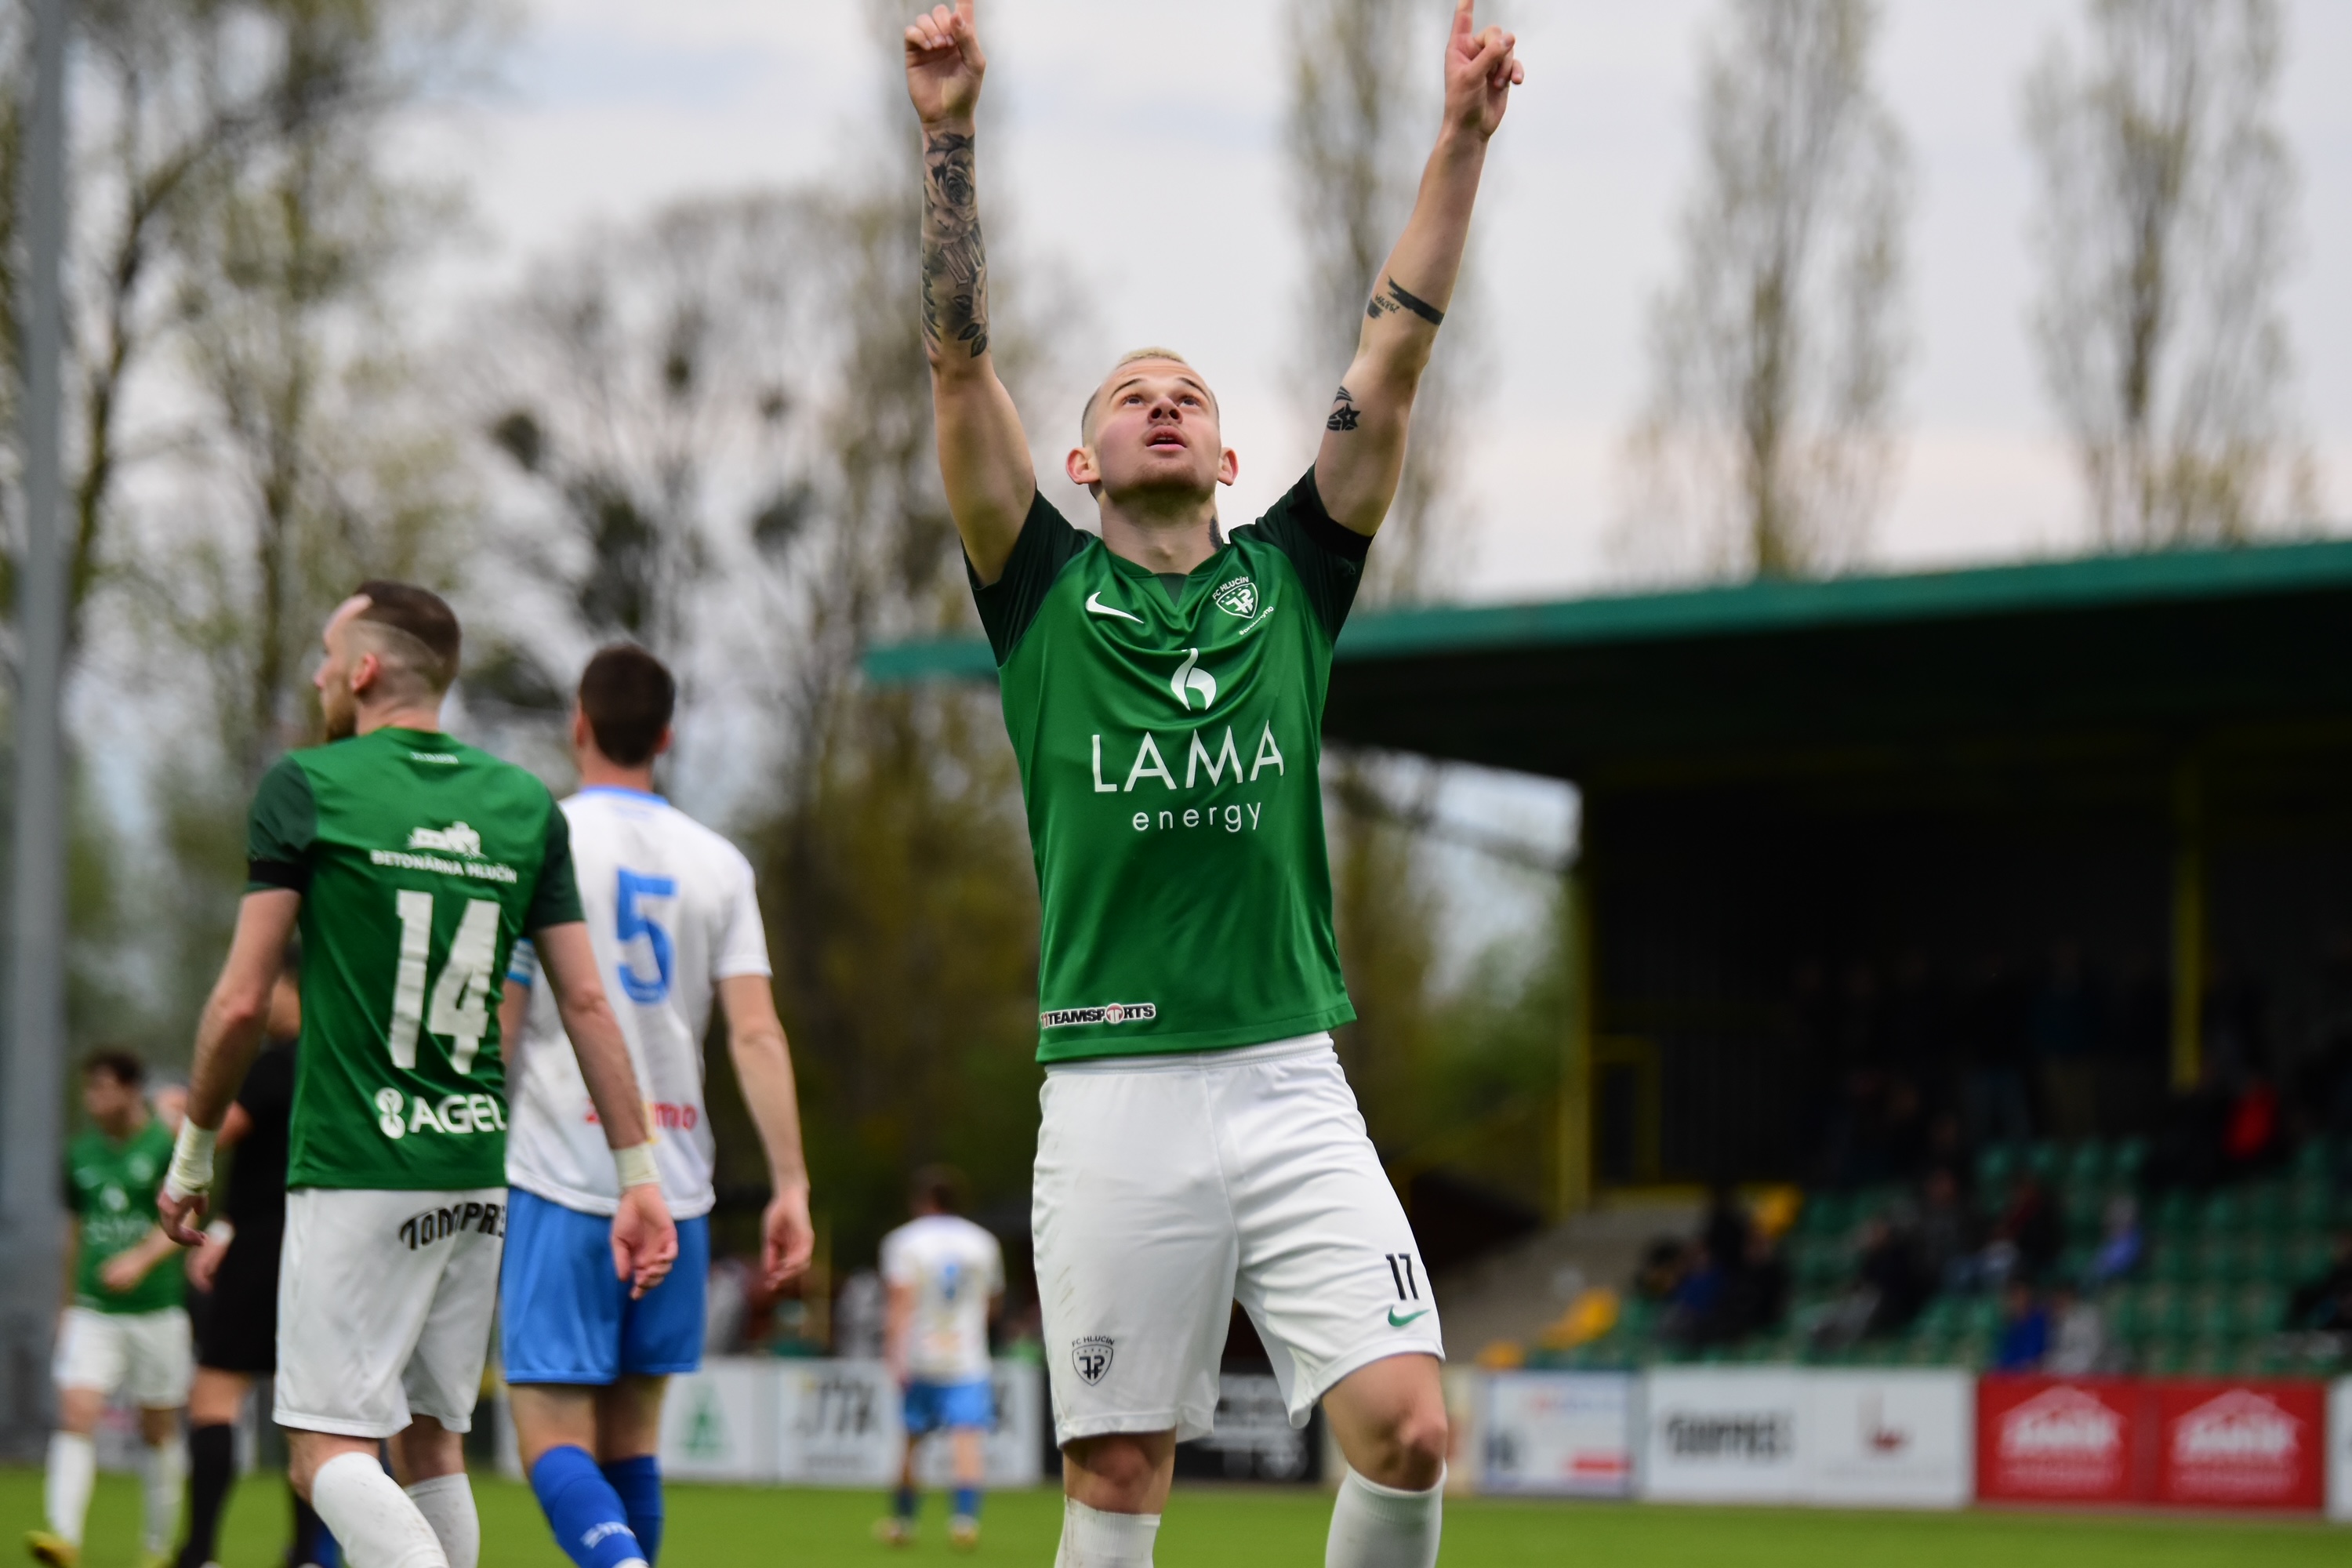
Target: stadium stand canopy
<point>2140,758</point>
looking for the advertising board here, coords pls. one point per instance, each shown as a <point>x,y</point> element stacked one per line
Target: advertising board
<point>2048,1440</point>
<point>2339,1449</point>
<point>1722,1435</point>
<point>718,1424</point>
<point>1888,1438</point>
<point>2241,1444</point>
<point>842,1423</point>
<point>1566,1434</point>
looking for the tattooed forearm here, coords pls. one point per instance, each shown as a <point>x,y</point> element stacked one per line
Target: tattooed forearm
<point>955,262</point>
<point>1344,413</point>
<point>1399,300</point>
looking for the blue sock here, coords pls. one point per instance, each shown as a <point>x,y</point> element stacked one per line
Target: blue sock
<point>967,1502</point>
<point>902,1502</point>
<point>590,1524</point>
<point>637,1483</point>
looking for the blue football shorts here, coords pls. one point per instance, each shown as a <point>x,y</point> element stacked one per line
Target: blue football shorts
<point>931,1406</point>
<point>564,1317</point>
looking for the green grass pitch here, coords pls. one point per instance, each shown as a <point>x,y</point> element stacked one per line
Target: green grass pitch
<point>728,1527</point>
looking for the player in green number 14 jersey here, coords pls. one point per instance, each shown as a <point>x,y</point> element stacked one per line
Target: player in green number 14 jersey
<point>412,864</point>
<point>1163,685</point>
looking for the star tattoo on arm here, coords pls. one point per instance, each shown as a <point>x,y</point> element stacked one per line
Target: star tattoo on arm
<point>1344,413</point>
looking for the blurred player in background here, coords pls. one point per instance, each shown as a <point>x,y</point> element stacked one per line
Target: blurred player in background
<point>125,1328</point>
<point>946,1278</point>
<point>1163,686</point>
<point>412,864</point>
<point>673,921</point>
<point>236,1268</point>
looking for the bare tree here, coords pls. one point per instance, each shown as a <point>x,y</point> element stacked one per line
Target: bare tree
<point>2162,232</point>
<point>1766,442</point>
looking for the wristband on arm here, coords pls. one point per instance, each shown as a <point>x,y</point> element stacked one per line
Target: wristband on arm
<point>636,1166</point>
<point>191,1175</point>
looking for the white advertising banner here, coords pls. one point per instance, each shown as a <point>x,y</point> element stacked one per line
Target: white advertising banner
<point>1559,1433</point>
<point>842,1423</point>
<point>1888,1438</point>
<point>1016,1443</point>
<point>1723,1433</point>
<point>2339,1449</point>
<point>718,1424</point>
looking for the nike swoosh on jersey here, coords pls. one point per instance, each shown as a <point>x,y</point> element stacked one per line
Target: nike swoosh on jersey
<point>1397,1322</point>
<point>1095,606</point>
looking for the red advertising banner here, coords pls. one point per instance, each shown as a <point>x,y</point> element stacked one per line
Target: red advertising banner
<point>2197,1444</point>
<point>2047,1439</point>
<point>2242,1445</point>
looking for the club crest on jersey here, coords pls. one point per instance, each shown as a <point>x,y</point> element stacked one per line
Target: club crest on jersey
<point>1192,678</point>
<point>1090,1357</point>
<point>454,839</point>
<point>1238,597</point>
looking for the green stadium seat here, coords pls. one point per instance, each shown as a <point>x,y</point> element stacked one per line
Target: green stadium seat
<point>2174,1262</point>
<point>2216,1357</point>
<point>2088,1165</point>
<point>2166,1357</point>
<point>1824,1215</point>
<point>2129,1160</point>
<point>2121,1308</point>
<point>2074,1262</point>
<point>2163,1313</point>
<point>1981,1316</point>
<point>2045,1158</point>
<point>2087,1210</point>
<point>2221,1260</point>
<point>2212,1314</point>
<point>2174,1215</point>
<point>2309,1200</point>
<point>1995,1165</point>
<point>2261,1309</point>
<point>2267,1261</point>
<point>2311,1159</point>
<point>1940,1316</point>
<point>2266,1207</point>
<point>2221,1213</point>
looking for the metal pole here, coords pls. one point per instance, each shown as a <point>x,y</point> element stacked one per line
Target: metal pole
<point>32,1093</point>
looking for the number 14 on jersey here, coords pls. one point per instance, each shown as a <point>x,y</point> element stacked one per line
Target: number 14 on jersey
<point>460,1006</point>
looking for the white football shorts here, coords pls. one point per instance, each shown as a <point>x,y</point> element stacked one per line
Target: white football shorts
<point>384,1302</point>
<point>148,1355</point>
<point>1169,1187</point>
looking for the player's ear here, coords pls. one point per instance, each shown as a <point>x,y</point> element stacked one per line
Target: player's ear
<point>365,672</point>
<point>1081,466</point>
<point>1229,466</point>
<point>661,746</point>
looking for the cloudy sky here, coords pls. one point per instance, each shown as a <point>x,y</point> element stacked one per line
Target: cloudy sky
<point>1140,151</point>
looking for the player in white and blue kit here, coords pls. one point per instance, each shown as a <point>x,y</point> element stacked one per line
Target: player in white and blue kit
<point>675,919</point>
<point>946,1276</point>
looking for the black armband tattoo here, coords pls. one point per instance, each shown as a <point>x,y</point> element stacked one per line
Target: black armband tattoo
<point>1399,299</point>
<point>1344,415</point>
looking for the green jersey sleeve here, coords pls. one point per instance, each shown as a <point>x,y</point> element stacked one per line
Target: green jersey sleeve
<point>1008,606</point>
<point>280,833</point>
<point>556,901</point>
<point>1328,555</point>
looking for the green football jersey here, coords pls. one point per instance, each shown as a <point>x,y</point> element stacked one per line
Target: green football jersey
<point>1170,738</point>
<point>112,1188</point>
<point>420,862</point>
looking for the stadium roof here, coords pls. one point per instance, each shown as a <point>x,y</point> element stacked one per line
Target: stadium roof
<point>2165,647</point>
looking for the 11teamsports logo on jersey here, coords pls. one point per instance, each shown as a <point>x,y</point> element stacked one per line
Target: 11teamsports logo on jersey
<point>1108,1013</point>
<point>1090,1357</point>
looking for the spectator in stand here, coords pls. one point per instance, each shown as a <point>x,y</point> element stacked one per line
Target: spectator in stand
<point>2029,1233</point>
<point>1695,1313</point>
<point>2188,1150</point>
<point>2024,1330</point>
<point>1950,1236</point>
<point>2078,1334</point>
<point>2324,1305</point>
<point>1758,1295</point>
<point>2121,1245</point>
<point>1890,1267</point>
<point>1664,1262</point>
<point>2250,1139</point>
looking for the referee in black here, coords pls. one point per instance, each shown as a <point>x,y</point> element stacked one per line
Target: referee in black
<point>236,1271</point>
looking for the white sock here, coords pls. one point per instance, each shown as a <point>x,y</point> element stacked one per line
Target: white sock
<point>374,1521</point>
<point>165,1469</point>
<point>73,1467</point>
<point>447,1504</point>
<point>1373,1526</point>
<point>1093,1538</point>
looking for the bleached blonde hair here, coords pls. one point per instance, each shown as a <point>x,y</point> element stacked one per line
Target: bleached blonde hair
<point>1086,414</point>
